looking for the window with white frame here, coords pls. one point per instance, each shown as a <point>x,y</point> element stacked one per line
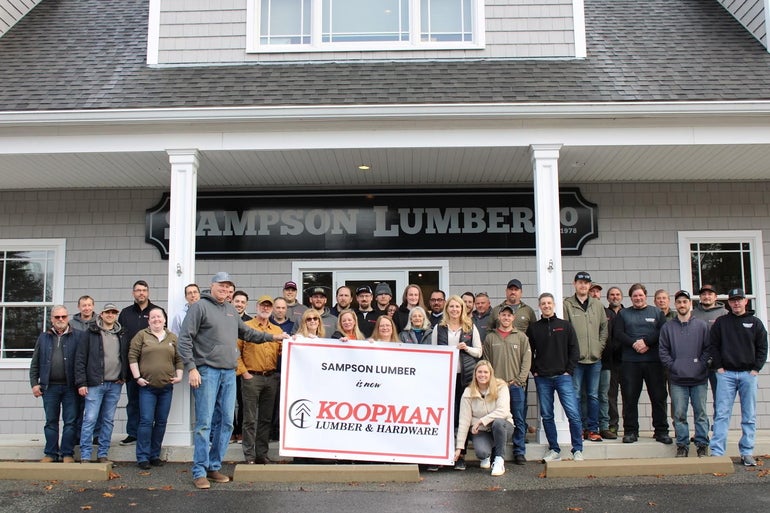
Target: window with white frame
<point>360,25</point>
<point>31,282</point>
<point>725,260</point>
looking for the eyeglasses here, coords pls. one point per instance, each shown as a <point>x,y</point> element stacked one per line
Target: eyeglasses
<point>437,299</point>
<point>312,319</point>
<point>60,317</point>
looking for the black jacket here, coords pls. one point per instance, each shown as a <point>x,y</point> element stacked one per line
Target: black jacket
<point>738,343</point>
<point>555,348</point>
<point>89,359</point>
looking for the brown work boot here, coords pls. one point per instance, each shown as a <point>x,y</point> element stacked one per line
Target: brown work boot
<point>217,476</point>
<point>201,483</point>
<point>47,459</point>
<point>68,459</point>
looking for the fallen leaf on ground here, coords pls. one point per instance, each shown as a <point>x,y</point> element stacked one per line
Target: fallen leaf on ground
<point>651,504</point>
<point>719,474</point>
<point>108,495</point>
<point>495,488</point>
<point>574,509</point>
<point>132,504</point>
<point>167,487</point>
<point>145,473</point>
<point>114,475</point>
<point>81,490</point>
<point>48,487</point>
<point>542,475</point>
<point>117,487</point>
<point>85,508</point>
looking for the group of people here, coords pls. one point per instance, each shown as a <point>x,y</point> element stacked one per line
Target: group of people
<point>79,365</point>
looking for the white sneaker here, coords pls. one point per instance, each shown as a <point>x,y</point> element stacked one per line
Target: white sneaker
<point>551,455</point>
<point>578,456</point>
<point>485,463</point>
<point>498,467</point>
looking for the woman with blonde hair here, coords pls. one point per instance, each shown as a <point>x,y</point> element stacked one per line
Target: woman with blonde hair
<point>456,329</point>
<point>418,330</point>
<point>411,298</point>
<point>384,330</point>
<point>310,325</point>
<point>347,326</point>
<point>485,412</point>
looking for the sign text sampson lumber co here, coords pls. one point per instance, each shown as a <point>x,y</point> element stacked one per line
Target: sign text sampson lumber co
<point>395,223</point>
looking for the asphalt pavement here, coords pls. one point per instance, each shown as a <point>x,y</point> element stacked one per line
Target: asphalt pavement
<point>521,489</point>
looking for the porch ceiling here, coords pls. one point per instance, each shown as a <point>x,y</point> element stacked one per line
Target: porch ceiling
<point>390,167</point>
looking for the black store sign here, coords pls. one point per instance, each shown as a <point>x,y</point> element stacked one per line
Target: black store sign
<point>373,224</point>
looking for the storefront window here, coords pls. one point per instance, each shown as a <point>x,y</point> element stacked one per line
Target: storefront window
<point>30,278</point>
<point>725,260</point>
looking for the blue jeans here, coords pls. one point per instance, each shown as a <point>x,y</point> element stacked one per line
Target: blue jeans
<point>586,379</point>
<point>101,403</point>
<point>562,385</point>
<point>132,408</point>
<point>60,400</point>
<point>681,396</point>
<point>154,405</point>
<point>604,400</point>
<point>485,443</point>
<point>519,412</point>
<point>728,384</point>
<point>214,411</point>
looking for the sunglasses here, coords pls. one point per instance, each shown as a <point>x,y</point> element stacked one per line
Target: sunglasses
<point>313,319</point>
<point>60,317</point>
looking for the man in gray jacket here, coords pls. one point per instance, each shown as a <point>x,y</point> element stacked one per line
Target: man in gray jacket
<point>684,352</point>
<point>207,345</point>
<point>587,316</point>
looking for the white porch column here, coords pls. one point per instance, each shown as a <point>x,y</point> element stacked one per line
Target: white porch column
<point>181,271</point>
<point>545,164</point>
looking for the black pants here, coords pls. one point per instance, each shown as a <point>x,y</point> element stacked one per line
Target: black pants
<point>633,374</point>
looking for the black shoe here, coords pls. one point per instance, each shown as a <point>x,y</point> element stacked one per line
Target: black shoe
<point>144,465</point>
<point>460,464</point>
<point>630,438</point>
<point>702,451</point>
<point>663,438</point>
<point>519,459</point>
<point>96,440</point>
<point>432,468</point>
<point>682,451</point>
<point>157,462</point>
<point>129,440</point>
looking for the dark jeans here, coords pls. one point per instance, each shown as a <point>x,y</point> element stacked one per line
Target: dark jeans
<point>60,400</point>
<point>132,408</point>
<point>154,405</point>
<point>652,375</point>
<point>519,412</point>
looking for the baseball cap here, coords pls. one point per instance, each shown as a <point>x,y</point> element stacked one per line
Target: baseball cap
<point>582,275</point>
<point>264,299</point>
<point>595,286</point>
<point>110,307</point>
<point>366,289</point>
<point>289,285</point>
<point>507,307</point>
<point>736,294</point>
<point>222,277</point>
<point>318,290</point>
<point>681,293</point>
<point>514,283</point>
<point>707,288</point>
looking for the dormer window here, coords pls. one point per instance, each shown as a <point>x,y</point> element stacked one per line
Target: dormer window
<point>364,25</point>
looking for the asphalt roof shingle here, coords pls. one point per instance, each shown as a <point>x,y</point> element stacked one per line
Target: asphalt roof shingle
<point>90,54</point>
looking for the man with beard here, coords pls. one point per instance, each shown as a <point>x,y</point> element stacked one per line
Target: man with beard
<point>366,315</point>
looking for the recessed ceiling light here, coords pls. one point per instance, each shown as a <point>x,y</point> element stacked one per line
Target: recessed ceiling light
<point>364,167</point>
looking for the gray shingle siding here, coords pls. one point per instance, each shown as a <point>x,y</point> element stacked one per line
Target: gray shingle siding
<point>90,54</point>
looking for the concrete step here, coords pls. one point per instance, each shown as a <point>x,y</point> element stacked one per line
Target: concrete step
<point>327,473</point>
<point>640,467</point>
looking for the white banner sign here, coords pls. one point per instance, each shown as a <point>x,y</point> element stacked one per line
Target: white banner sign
<point>370,401</point>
